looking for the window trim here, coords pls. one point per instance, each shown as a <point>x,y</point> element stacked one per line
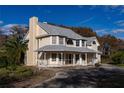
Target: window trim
<point>69,42</point>
<point>62,40</point>
<point>55,42</point>
<point>77,42</point>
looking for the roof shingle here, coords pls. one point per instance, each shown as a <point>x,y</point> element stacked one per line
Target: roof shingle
<point>56,30</point>
<point>62,48</point>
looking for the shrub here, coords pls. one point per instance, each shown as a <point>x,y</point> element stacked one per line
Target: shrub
<point>105,59</point>
<point>3,62</point>
<point>7,76</point>
<point>4,72</point>
<point>4,76</point>
<point>118,57</point>
<point>22,73</point>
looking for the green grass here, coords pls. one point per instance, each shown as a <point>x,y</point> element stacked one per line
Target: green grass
<point>120,65</point>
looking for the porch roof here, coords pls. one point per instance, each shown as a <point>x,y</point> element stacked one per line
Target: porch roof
<point>61,48</point>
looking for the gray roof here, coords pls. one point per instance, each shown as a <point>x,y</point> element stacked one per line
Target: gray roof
<point>65,49</point>
<point>56,30</point>
<point>90,40</point>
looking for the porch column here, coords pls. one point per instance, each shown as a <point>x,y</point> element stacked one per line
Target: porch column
<point>85,58</point>
<point>80,59</point>
<point>62,59</point>
<point>50,57</point>
<point>38,58</point>
<point>73,59</point>
<point>45,60</point>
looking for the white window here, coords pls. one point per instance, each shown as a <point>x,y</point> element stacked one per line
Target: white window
<point>77,43</point>
<point>53,39</point>
<point>54,57</point>
<point>60,40</point>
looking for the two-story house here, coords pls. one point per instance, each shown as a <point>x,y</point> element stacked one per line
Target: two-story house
<point>51,45</point>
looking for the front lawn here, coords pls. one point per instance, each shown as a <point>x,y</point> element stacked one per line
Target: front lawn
<point>120,65</point>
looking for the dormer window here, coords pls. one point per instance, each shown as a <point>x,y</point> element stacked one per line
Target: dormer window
<point>77,43</point>
<point>53,39</point>
<point>60,40</point>
<point>69,42</point>
<point>94,42</point>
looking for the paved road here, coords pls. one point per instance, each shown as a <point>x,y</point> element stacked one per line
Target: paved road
<point>106,76</point>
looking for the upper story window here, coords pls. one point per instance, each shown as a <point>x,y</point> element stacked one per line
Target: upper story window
<point>77,43</point>
<point>69,42</point>
<point>53,39</point>
<point>83,43</point>
<point>60,40</point>
<point>94,42</point>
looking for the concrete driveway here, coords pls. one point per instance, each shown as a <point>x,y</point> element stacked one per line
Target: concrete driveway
<point>105,76</point>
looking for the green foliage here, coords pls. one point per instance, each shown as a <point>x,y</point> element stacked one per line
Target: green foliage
<point>118,57</point>
<point>4,72</point>
<point>21,73</point>
<point>3,62</point>
<point>105,59</point>
<point>7,76</point>
<point>11,52</point>
<point>14,48</point>
<point>120,65</point>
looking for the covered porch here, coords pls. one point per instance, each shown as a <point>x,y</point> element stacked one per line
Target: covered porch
<point>58,59</point>
<point>59,55</point>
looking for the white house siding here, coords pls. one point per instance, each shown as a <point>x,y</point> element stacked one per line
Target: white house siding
<point>94,47</point>
<point>90,57</point>
<point>98,57</point>
<point>44,41</point>
<point>40,31</point>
